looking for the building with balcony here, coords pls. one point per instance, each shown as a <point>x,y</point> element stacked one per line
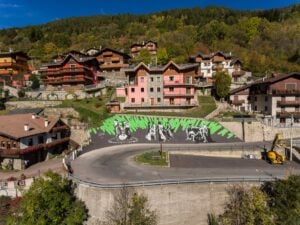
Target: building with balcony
<point>13,65</point>
<point>26,139</point>
<point>110,64</point>
<point>151,46</point>
<point>210,64</point>
<point>71,73</point>
<point>154,87</point>
<point>277,98</point>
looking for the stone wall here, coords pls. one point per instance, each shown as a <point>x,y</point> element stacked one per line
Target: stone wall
<point>187,204</point>
<point>31,104</point>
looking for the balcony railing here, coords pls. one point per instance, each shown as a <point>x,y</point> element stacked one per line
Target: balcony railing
<point>185,84</point>
<point>171,95</point>
<point>288,114</point>
<point>238,73</point>
<point>61,71</point>
<point>30,149</point>
<point>238,102</point>
<point>160,105</point>
<point>285,92</point>
<point>288,103</point>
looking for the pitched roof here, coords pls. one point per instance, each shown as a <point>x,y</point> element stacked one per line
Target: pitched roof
<point>112,50</point>
<point>13,125</point>
<point>160,68</point>
<point>13,54</point>
<point>266,81</point>
<point>144,44</point>
<point>78,60</point>
<point>211,55</point>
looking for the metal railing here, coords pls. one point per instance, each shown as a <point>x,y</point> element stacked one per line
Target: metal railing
<point>255,179</point>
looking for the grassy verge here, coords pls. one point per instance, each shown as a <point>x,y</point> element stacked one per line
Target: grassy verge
<point>92,110</point>
<point>206,106</point>
<point>153,158</point>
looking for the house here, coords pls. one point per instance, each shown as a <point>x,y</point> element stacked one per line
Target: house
<point>110,64</point>
<point>149,87</point>
<point>12,66</point>
<point>71,73</point>
<point>277,98</point>
<point>210,64</point>
<point>26,139</point>
<point>151,46</point>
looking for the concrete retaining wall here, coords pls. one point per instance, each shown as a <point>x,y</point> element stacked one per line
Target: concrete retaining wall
<point>31,104</point>
<point>187,204</point>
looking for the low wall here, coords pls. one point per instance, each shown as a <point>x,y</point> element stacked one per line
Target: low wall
<point>31,104</point>
<point>178,204</point>
<point>63,112</point>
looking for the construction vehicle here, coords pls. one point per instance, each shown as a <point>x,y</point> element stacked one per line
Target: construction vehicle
<point>273,156</point>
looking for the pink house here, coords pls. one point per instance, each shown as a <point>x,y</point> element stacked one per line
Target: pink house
<point>166,86</point>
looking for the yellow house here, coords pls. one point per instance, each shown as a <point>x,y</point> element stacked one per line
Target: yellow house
<point>13,64</point>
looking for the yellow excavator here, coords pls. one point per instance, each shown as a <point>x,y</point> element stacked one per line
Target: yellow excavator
<point>273,156</point>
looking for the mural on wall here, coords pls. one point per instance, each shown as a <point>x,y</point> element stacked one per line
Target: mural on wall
<point>125,129</point>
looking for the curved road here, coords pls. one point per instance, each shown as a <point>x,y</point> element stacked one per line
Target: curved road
<point>116,165</point>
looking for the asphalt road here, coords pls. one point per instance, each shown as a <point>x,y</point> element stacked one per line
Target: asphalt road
<point>116,165</point>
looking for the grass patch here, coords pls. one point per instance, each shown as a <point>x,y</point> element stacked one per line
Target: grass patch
<point>153,158</point>
<point>206,106</point>
<point>92,110</point>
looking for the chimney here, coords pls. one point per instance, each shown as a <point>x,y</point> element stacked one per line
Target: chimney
<point>26,127</point>
<point>46,123</point>
<point>33,116</point>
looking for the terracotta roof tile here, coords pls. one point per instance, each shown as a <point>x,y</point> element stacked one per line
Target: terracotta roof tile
<point>13,125</point>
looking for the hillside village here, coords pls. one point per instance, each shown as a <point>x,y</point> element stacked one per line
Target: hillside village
<point>84,102</point>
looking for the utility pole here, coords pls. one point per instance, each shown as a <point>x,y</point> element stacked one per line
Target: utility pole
<point>291,151</point>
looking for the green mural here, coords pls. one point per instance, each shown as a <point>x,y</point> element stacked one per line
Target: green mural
<point>178,124</point>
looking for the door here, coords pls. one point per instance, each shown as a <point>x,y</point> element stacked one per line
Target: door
<point>152,101</point>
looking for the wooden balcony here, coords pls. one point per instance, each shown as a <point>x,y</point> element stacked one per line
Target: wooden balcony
<point>291,92</point>
<point>62,71</point>
<point>69,80</point>
<point>177,84</point>
<point>288,103</point>
<point>288,114</point>
<point>238,102</point>
<point>178,95</point>
<point>238,73</point>
<point>31,149</point>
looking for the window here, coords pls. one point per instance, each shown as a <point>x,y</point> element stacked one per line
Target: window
<point>132,90</point>
<point>266,108</point>
<point>72,66</point>
<point>158,79</point>
<point>151,79</point>
<point>14,144</point>
<point>266,98</point>
<point>171,78</point>
<point>158,89</point>
<point>171,89</point>
<point>172,101</point>
<point>255,98</point>
<point>188,101</point>
<point>142,89</point>
<point>133,100</point>
<point>3,144</point>
<point>255,108</point>
<point>208,71</point>
<point>41,139</point>
<point>151,89</point>
<point>30,142</point>
<point>142,100</point>
<point>158,100</point>
<point>188,91</point>
<point>142,79</point>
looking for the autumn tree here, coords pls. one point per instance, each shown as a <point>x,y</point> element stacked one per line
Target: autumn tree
<point>246,207</point>
<point>284,200</point>
<point>222,84</point>
<point>130,208</point>
<point>50,200</point>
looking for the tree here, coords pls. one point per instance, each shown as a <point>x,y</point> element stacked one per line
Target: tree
<point>130,208</point>
<point>246,207</point>
<point>144,56</point>
<point>222,84</point>
<point>284,200</point>
<point>50,200</point>
<point>35,82</point>
<point>162,56</point>
<point>21,93</point>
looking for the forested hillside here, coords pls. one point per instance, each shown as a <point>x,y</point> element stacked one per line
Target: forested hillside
<point>266,41</point>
